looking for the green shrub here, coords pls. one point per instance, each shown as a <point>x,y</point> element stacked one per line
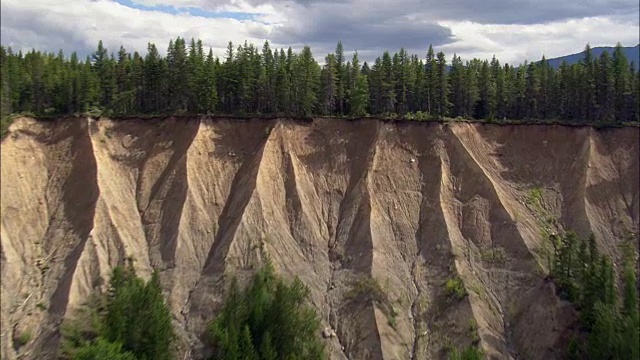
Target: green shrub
<point>366,287</point>
<point>534,197</point>
<point>494,255</point>
<point>24,338</point>
<point>454,288</point>
<point>470,353</point>
<point>369,289</point>
<point>473,331</point>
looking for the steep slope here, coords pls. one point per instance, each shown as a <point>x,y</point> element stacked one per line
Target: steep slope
<point>337,203</point>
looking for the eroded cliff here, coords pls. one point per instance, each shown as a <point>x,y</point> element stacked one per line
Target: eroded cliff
<point>331,201</point>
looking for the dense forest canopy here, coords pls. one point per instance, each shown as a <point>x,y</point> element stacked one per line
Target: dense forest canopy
<point>249,80</point>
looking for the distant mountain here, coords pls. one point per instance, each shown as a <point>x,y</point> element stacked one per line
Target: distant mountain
<point>632,54</point>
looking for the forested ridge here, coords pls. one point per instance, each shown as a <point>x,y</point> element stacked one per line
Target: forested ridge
<point>249,80</point>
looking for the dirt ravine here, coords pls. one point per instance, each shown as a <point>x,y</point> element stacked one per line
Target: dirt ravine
<point>409,204</point>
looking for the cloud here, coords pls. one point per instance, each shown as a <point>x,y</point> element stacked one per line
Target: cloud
<point>483,12</point>
<point>516,43</point>
<point>79,25</point>
<point>512,30</point>
<point>383,34</point>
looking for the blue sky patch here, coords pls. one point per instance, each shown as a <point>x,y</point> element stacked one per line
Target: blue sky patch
<point>170,9</point>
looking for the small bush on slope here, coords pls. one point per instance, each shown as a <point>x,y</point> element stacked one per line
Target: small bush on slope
<point>470,353</point>
<point>455,288</point>
<point>268,320</point>
<point>132,321</point>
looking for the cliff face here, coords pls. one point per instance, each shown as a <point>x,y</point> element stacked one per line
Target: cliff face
<point>331,201</point>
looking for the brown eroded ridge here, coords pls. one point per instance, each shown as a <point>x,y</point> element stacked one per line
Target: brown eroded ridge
<point>335,202</point>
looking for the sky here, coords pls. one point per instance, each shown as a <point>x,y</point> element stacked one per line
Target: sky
<point>512,30</point>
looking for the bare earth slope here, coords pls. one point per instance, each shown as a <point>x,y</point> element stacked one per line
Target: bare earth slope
<point>332,201</point>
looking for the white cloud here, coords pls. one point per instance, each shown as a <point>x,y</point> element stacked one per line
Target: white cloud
<point>516,43</point>
<point>80,24</point>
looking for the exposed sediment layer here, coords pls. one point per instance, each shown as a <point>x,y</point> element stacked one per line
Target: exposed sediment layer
<point>411,205</point>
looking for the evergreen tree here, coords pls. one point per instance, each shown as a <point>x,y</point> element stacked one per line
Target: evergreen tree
<point>329,79</point>
<point>458,83</point>
<point>103,350</point>
<point>620,82</point>
<point>588,85</point>
<point>532,91</point>
<point>131,322</point>
<point>340,77</point>
<point>359,96</point>
<point>605,87</point>
<point>137,316</point>
<point>269,315</point>
<point>442,87</point>
<point>387,84</point>
<point>431,80</point>
<point>306,84</point>
<point>485,107</point>
<point>250,81</point>
<point>499,101</point>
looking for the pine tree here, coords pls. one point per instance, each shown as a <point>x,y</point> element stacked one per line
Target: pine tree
<point>375,87</point>
<point>420,94</point>
<point>532,91</point>
<point>499,101</point>
<point>105,74</point>
<point>387,84</point>
<point>340,77</point>
<point>103,350</point>
<point>137,316</point>
<point>470,90</point>
<point>442,87</point>
<point>588,85</point>
<point>269,315</point>
<point>329,79</point>
<point>485,107</point>
<point>621,82</point>
<point>283,85</point>
<point>359,96</point>
<point>605,87</point>
<point>403,81</point>
<point>629,344</point>
<point>210,91</point>
<point>270,70</point>
<point>306,84</point>
<point>603,338</point>
<point>458,84</point>
<point>431,79</point>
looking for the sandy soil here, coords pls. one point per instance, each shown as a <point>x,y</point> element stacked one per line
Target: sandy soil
<point>331,201</point>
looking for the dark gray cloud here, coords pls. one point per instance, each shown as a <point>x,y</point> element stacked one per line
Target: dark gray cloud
<point>482,11</point>
<point>524,11</point>
<point>372,35</point>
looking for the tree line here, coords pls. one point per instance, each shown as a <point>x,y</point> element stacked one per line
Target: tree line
<point>249,80</point>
